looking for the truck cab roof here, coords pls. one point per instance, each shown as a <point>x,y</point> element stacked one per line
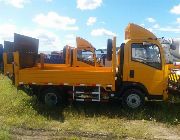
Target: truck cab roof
<point>134,32</point>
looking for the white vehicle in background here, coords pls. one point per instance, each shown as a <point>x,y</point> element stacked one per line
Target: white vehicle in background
<point>172,54</point>
<point>172,49</point>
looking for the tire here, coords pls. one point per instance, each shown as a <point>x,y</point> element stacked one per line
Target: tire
<point>133,99</point>
<point>51,98</point>
<point>109,49</point>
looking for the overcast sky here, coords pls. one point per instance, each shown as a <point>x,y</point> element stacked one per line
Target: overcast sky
<point>58,22</point>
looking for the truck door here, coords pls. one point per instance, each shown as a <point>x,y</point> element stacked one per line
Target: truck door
<point>146,67</point>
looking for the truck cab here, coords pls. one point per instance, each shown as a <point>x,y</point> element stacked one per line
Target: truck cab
<point>141,67</point>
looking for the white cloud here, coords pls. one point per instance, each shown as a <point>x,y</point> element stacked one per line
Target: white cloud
<point>88,4</point>
<point>19,3</point>
<point>170,29</point>
<point>102,32</point>
<point>16,3</point>
<point>49,0</point>
<point>70,36</point>
<point>178,20</point>
<point>143,25</point>
<point>103,22</point>
<point>55,21</point>
<point>151,20</point>
<point>176,10</point>
<point>48,41</point>
<point>70,40</point>
<point>156,26</point>
<point>7,32</point>
<point>150,29</point>
<point>91,21</point>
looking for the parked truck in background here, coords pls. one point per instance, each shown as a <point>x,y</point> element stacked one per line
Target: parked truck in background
<point>138,71</point>
<point>8,58</point>
<point>1,58</point>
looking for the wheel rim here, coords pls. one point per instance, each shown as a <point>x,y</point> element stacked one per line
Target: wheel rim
<point>133,101</point>
<point>51,99</point>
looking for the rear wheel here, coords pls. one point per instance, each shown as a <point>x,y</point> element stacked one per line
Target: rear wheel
<point>51,98</point>
<point>133,99</point>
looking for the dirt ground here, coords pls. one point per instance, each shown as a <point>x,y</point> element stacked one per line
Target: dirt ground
<point>52,134</point>
<point>158,131</point>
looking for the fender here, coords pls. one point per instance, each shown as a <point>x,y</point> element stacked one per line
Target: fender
<point>126,85</point>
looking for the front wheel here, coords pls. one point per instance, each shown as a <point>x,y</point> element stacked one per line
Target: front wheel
<point>133,99</point>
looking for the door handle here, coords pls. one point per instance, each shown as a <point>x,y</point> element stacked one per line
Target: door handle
<point>131,74</point>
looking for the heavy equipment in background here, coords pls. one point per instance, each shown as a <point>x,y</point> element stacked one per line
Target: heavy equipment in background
<point>172,49</point>
<point>54,58</point>
<point>137,72</point>
<point>172,52</point>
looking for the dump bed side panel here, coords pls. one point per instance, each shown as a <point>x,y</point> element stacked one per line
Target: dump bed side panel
<point>58,77</point>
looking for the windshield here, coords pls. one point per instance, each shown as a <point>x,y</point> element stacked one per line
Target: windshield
<point>147,54</point>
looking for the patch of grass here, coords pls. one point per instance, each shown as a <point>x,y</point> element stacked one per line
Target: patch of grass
<point>4,134</point>
<point>17,109</point>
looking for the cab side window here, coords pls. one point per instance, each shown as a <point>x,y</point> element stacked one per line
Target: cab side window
<point>147,54</point>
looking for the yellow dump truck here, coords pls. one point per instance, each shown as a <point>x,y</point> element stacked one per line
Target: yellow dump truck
<point>138,71</point>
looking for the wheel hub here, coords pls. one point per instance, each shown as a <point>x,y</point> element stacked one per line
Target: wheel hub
<point>133,101</point>
<point>51,99</point>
